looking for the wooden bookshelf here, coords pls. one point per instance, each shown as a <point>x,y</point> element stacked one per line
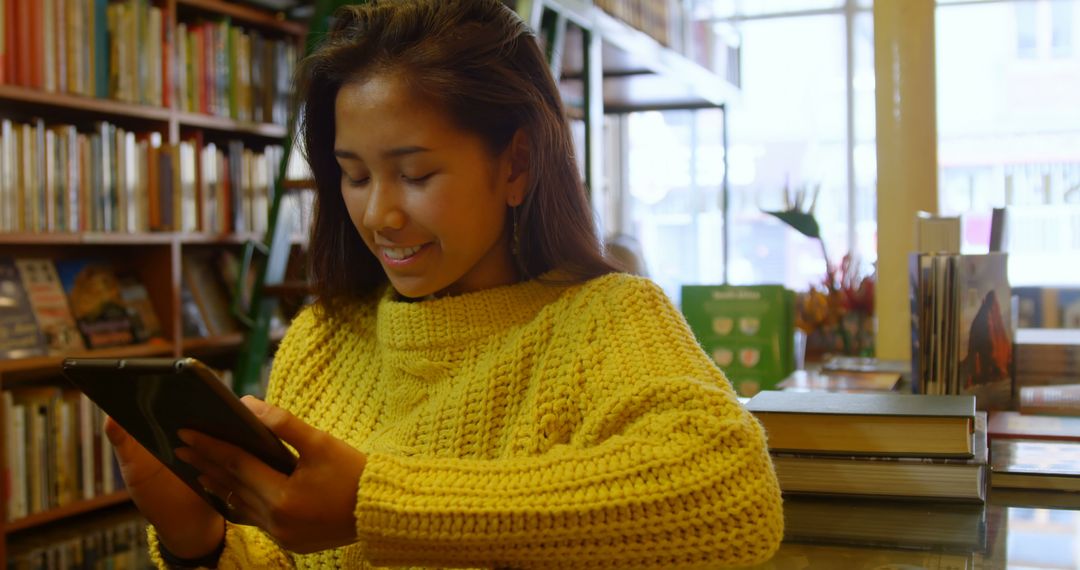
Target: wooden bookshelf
<point>103,108</point>
<point>67,511</point>
<point>227,125</point>
<point>52,363</point>
<point>155,258</point>
<point>246,14</point>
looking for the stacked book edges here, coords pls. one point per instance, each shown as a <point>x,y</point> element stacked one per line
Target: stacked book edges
<point>937,525</point>
<point>881,445</point>
<point>1047,357</point>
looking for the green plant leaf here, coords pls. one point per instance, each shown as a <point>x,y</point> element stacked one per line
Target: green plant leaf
<point>801,222</point>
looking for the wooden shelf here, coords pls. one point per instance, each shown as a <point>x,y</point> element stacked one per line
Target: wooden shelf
<point>159,348</point>
<point>59,513</point>
<point>225,124</point>
<point>640,73</point>
<point>247,14</point>
<point>102,238</point>
<point>215,343</point>
<point>104,107</point>
<point>298,185</point>
<point>218,239</point>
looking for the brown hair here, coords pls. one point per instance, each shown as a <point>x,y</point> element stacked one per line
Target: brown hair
<point>479,62</point>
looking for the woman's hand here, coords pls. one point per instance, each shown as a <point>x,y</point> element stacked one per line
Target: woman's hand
<point>186,525</point>
<point>310,510</point>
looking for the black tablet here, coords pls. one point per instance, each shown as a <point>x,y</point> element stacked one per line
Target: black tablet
<point>153,398</point>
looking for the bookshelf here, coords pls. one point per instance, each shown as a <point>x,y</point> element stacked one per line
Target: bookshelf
<point>248,74</point>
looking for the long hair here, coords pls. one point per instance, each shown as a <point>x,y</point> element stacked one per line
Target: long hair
<point>478,62</point>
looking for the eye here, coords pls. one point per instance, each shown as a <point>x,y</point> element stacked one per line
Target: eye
<point>356,183</point>
<point>417,179</point>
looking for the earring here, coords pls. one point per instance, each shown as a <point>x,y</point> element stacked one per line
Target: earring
<point>515,247</point>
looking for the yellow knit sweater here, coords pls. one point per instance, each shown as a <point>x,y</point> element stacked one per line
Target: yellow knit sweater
<point>528,426</point>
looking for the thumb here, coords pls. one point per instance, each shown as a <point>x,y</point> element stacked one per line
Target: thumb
<point>288,427</point>
<point>116,434</point>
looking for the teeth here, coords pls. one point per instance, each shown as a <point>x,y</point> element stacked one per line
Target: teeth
<point>399,253</point>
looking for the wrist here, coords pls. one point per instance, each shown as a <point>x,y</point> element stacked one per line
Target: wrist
<point>194,542</point>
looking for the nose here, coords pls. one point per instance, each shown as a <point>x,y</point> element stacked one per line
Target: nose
<point>383,209</point>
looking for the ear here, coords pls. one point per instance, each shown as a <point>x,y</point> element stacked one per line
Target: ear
<point>518,156</point>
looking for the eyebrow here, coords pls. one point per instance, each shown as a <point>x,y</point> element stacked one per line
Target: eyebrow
<point>392,153</point>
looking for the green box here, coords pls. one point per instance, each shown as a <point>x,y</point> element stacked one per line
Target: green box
<point>748,331</point>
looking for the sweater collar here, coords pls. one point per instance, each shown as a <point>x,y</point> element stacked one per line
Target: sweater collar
<point>449,321</point>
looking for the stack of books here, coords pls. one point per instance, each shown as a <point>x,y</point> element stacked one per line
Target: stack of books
<point>881,445</point>
<point>1034,452</point>
<point>1047,356</point>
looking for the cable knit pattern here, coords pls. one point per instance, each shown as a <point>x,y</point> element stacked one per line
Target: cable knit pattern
<point>529,426</point>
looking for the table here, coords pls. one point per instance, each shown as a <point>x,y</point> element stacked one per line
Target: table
<point>1013,530</point>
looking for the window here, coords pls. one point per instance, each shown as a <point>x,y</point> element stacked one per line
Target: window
<point>1009,131</point>
<point>805,119</point>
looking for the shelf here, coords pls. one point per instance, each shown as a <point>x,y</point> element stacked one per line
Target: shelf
<point>290,185</point>
<point>102,238</point>
<point>254,16</point>
<point>39,363</point>
<point>219,239</point>
<point>640,73</point>
<point>232,126</point>
<point>104,107</point>
<point>59,513</point>
<point>221,342</point>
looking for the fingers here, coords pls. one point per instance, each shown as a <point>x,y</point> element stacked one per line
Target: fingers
<point>288,427</point>
<point>229,467</point>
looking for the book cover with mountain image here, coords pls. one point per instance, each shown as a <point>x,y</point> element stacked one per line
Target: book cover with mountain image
<point>96,302</point>
<point>985,349</point>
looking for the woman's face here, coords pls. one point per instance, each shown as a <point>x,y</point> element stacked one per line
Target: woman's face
<point>429,199</point>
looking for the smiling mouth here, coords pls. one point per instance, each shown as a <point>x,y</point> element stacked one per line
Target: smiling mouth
<point>401,253</point>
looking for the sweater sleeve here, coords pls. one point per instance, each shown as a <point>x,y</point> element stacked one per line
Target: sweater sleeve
<point>245,547</point>
<point>665,469</point>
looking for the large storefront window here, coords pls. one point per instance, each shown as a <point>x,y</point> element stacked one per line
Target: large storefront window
<point>1009,130</point>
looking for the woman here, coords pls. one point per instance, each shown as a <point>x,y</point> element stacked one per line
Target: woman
<point>475,386</point>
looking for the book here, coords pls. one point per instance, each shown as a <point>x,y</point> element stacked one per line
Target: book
<point>840,381</point>
<point>20,336</point>
<point>870,424</point>
<point>1060,400</point>
<point>1014,425</point>
<point>1018,464</point>
<point>209,293</point>
<point>749,331</point>
<point>865,364</point>
<point>962,327</point>
<point>937,478</point>
<point>985,353</point>
<point>96,302</point>
<point>144,322</point>
<point>50,305</point>
<point>937,525</point>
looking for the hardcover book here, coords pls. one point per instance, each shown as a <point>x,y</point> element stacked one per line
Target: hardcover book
<point>840,381</point>
<point>748,331</point>
<point>20,336</point>
<point>1013,425</point>
<point>869,424</point>
<point>884,523</point>
<point>96,302</point>
<point>1018,464</point>
<point>888,476</point>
